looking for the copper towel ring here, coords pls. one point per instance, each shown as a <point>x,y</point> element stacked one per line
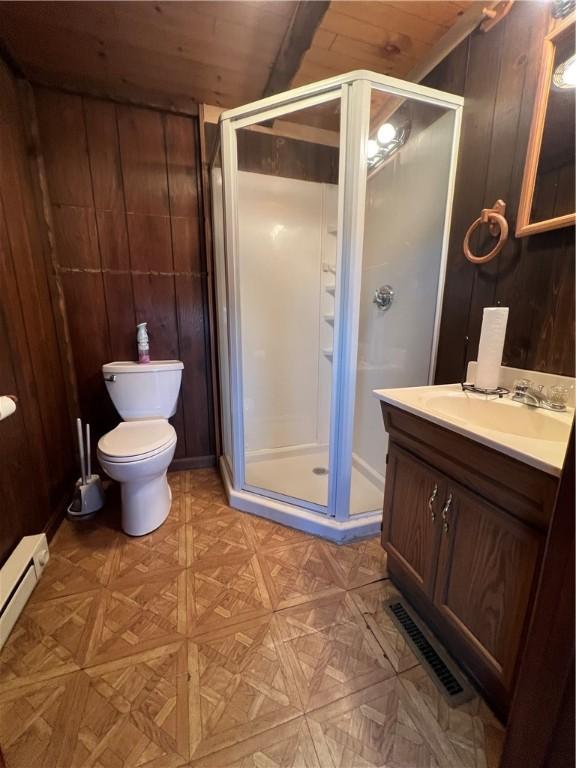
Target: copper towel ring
<point>497,224</point>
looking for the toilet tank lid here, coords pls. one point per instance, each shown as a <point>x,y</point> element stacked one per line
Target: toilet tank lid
<point>128,366</point>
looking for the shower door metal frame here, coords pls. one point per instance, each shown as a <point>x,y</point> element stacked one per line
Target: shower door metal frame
<point>354,89</point>
<point>229,126</point>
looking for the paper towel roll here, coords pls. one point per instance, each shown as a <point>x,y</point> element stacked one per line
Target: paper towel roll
<point>491,347</point>
<point>7,406</point>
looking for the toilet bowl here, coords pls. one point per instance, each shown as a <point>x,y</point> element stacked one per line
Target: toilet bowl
<point>138,451</point>
<point>137,455</point>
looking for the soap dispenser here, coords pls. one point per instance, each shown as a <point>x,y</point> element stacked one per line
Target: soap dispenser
<point>142,342</point>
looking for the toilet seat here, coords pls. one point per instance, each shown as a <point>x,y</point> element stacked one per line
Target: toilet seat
<point>134,441</point>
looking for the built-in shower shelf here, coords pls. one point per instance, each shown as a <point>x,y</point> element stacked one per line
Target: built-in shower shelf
<point>329,319</point>
<point>331,289</point>
<point>328,353</point>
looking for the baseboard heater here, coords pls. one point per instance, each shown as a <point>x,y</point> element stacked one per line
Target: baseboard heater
<point>18,577</point>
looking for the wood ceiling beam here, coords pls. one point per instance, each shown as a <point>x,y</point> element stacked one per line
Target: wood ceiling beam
<point>305,21</point>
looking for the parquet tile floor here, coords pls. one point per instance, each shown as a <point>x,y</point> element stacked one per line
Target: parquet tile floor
<point>221,640</point>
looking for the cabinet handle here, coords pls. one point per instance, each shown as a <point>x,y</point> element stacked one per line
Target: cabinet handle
<point>445,510</point>
<point>431,501</point>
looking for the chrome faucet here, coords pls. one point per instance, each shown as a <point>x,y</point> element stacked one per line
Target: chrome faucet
<point>525,391</point>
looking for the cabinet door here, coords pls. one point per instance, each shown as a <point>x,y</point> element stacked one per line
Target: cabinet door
<point>486,568</point>
<point>411,525</point>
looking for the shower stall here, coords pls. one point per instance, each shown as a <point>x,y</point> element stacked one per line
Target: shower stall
<point>331,212</point>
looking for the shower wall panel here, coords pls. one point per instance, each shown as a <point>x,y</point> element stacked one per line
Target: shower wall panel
<point>282,232</point>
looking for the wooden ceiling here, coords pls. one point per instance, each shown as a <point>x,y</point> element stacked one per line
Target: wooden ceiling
<point>387,37</point>
<point>177,54</point>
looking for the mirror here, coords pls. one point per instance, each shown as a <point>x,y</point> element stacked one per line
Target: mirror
<point>547,196</point>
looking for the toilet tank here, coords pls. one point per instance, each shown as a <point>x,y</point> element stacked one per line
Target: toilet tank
<point>144,391</point>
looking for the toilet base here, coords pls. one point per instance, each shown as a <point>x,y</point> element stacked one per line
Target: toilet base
<point>145,504</point>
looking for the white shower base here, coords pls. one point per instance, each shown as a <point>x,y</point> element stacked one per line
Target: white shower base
<point>290,473</point>
<point>338,531</point>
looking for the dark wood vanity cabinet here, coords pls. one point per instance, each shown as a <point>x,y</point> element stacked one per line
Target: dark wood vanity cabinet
<point>464,537</point>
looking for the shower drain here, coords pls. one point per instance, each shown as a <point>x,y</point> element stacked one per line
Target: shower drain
<point>320,471</point>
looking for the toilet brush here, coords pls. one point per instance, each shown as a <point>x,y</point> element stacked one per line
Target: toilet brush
<point>89,494</point>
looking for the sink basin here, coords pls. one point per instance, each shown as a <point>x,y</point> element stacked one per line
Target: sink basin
<point>500,415</point>
<point>533,435</point>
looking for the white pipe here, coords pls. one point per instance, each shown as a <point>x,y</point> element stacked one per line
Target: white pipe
<point>88,453</point>
<point>81,449</point>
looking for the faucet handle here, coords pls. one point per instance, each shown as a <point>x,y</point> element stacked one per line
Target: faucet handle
<point>521,386</point>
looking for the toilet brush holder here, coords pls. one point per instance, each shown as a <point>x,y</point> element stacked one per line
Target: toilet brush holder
<point>88,497</point>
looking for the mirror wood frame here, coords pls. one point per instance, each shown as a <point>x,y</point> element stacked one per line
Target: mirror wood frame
<point>523,224</point>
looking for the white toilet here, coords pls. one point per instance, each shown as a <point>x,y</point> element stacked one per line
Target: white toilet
<point>138,451</point>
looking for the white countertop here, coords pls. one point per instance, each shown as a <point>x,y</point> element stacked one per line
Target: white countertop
<point>535,436</point>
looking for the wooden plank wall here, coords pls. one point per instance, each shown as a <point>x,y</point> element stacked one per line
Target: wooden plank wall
<point>36,443</point>
<point>290,158</point>
<point>124,189</point>
<point>497,74</point>
<point>282,156</point>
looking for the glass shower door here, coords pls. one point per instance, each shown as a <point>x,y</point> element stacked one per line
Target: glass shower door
<point>285,283</point>
<point>409,164</point>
